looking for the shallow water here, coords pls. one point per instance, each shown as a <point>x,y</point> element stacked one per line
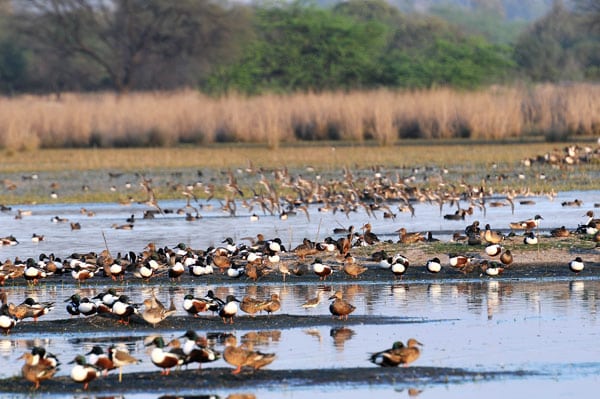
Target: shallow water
<point>548,327</point>
<point>545,327</point>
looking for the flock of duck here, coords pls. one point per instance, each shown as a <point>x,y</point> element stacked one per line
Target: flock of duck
<point>285,196</point>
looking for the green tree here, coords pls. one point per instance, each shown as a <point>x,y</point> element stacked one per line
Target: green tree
<point>301,47</point>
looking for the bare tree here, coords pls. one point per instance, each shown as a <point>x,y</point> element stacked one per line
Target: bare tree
<point>122,37</point>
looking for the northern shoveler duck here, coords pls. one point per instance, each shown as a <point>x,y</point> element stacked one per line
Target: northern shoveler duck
<point>250,305</point>
<point>77,305</point>
<point>121,357</point>
<point>526,225</point>
<point>240,356</point>
<point>154,311</point>
<point>458,261</point>
<point>529,238</point>
<point>196,351</point>
<point>339,307</point>
<point>506,257</point>
<point>353,269</point>
<point>101,360</point>
<point>322,270</point>
<point>7,323</point>
<point>576,265</point>
<point>492,237</point>
<point>307,248</point>
<point>491,268</point>
<point>271,305</point>
<point>560,232</point>
<point>235,270</point>
<point>493,249</point>
<point>83,372</point>
<point>37,237</point>
<point>433,265</point>
<point>368,236</point>
<point>473,229</point>
<point>229,309</point>
<point>176,270</point>
<point>30,308</point>
<point>123,308</point>
<point>194,305</point>
<point>36,370</point>
<point>75,226</point>
<point>33,273</point>
<point>165,360</point>
<point>57,219</point>
<point>398,354</point>
<point>409,238</point>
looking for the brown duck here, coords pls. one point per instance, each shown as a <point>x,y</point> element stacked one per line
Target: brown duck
<point>36,371</point>
<point>241,356</point>
<point>398,354</point>
<point>339,307</point>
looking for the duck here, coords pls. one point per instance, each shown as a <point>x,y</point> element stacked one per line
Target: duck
<point>339,307</point>
<point>84,372</point>
<point>165,360</point>
<point>123,308</point>
<point>409,238</point>
<point>399,265</point>
<point>271,305</point>
<point>433,265</point>
<point>457,260</point>
<point>229,309</point>
<point>398,354</point>
<point>491,268</point>
<point>194,306</point>
<point>369,237</point>
<point>154,311</point>
<point>101,360</point>
<point>529,238</point>
<point>196,351</point>
<point>37,237</point>
<point>250,305</point>
<point>353,269</point>
<point>30,308</point>
<point>493,249</point>
<point>240,356</point>
<point>526,225</point>
<point>35,370</point>
<point>175,271</point>
<point>121,357</point>
<point>560,232</point>
<point>576,265</point>
<point>506,257</point>
<point>7,323</point>
<point>322,270</point>
<point>492,237</point>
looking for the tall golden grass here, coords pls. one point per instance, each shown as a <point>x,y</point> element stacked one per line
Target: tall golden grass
<point>170,118</point>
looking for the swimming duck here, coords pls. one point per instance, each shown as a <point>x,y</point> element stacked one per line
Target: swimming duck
<point>339,307</point>
<point>526,225</point>
<point>154,311</point>
<point>241,356</point>
<point>165,360</point>
<point>229,309</point>
<point>120,357</point>
<point>83,372</point>
<point>322,270</point>
<point>576,265</point>
<point>196,351</point>
<point>398,354</point>
<point>433,265</point>
<point>35,370</point>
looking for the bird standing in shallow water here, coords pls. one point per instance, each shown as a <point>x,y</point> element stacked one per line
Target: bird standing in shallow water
<point>398,354</point>
<point>339,307</point>
<point>240,356</point>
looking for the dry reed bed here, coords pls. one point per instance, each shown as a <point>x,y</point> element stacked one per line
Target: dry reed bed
<point>170,118</point>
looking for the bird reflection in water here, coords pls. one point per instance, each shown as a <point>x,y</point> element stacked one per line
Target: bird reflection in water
<point>340,335</point>
<point>261,337</point>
